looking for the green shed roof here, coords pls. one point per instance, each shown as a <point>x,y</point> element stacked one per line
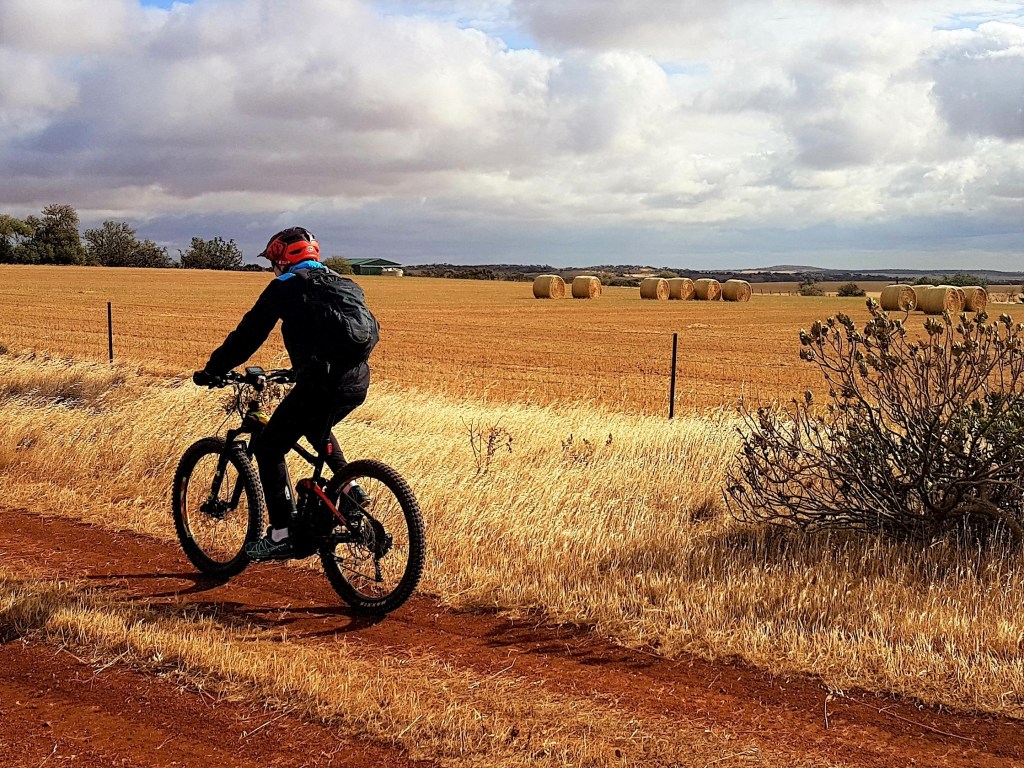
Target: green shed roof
<point>373,263</point>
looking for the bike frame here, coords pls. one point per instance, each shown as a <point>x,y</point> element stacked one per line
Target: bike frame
<point>253,421</point>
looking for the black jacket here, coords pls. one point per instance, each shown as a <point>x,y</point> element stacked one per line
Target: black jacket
<point>282,300</point>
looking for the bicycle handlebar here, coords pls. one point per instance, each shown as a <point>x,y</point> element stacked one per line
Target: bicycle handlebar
<point>256,377</point>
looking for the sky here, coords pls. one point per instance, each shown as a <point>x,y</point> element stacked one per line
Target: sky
<point>856,134</point>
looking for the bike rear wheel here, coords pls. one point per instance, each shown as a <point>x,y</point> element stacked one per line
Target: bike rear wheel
<point>375,568</point>
<point>212,529</point>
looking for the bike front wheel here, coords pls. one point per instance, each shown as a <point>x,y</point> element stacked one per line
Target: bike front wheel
<point>375,564</point>
<point>214,527</point>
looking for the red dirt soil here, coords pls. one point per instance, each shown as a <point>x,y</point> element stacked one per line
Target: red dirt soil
<point>782,714</point>
<point>55,709</point>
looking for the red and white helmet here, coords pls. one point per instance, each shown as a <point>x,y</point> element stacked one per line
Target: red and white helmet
<point>290,246</point>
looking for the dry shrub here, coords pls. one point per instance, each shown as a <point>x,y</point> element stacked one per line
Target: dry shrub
<point>920,438</point>
<point>486,442</point>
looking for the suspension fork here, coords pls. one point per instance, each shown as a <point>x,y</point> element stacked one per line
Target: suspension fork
<point>222,465</point>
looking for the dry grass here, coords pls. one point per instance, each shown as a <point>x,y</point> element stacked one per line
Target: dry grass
<point>605,519</point>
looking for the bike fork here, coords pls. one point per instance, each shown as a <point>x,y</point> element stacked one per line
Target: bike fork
<point>218,478</point>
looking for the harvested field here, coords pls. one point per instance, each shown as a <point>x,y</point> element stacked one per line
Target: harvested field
<point>491,341</point>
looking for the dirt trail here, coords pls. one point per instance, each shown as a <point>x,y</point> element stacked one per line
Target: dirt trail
<point>787,714</point>
<point>55,709</point>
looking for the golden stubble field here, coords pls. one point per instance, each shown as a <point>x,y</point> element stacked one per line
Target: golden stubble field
<point>491,341</point>
<point>599,511</point>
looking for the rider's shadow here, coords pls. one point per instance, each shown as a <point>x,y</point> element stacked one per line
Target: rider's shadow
<point>199,582</point>
<point>320,620</point>
<point>309,622</point>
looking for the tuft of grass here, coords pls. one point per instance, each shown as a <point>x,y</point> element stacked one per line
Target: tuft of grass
<point>58,381</point>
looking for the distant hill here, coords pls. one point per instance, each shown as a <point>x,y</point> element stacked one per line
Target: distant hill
<point>788,268</point>
<point>992,275</point>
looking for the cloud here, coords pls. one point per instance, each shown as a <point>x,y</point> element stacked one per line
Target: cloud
<point>253,111</point>
<point>59,26</point>
<point>846,102</point>
<point>659,26</point>
<point>682,30</point>
<point>979,80</point>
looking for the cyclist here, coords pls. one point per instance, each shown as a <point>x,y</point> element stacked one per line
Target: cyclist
<point>323,393</point>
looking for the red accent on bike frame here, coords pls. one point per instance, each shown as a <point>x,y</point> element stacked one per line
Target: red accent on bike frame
<point>324,498</point>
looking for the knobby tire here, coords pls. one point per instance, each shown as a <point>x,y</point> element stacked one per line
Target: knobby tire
<point>210,563</point>
<point>340,575</point>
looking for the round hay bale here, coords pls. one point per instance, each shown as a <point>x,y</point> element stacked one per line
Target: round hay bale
<point>736,290</point>
<point>707,289</point>
<point>963,298</point>
<point>586,287</point>
<point>976,298</point>
<point>680,288</point>
<point>937,299</point>
<point>654,288</point>
<point>901,298</point>
<point>548,287</point>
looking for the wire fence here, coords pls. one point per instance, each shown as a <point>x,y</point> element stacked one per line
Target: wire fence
<point>617,356</point>
<point>625,369</point>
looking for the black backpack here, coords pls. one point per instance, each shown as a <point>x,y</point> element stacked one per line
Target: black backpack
<point>345,328</point>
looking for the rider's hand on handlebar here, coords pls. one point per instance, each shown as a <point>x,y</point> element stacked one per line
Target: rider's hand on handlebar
<point>204,378</point>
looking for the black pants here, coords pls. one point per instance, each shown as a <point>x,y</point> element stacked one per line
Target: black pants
<point>310,410</point>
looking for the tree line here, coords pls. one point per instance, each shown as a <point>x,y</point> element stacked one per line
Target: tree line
<point>54,238</point>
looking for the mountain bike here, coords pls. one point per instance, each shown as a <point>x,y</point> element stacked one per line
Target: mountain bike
<point>364,522</point>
